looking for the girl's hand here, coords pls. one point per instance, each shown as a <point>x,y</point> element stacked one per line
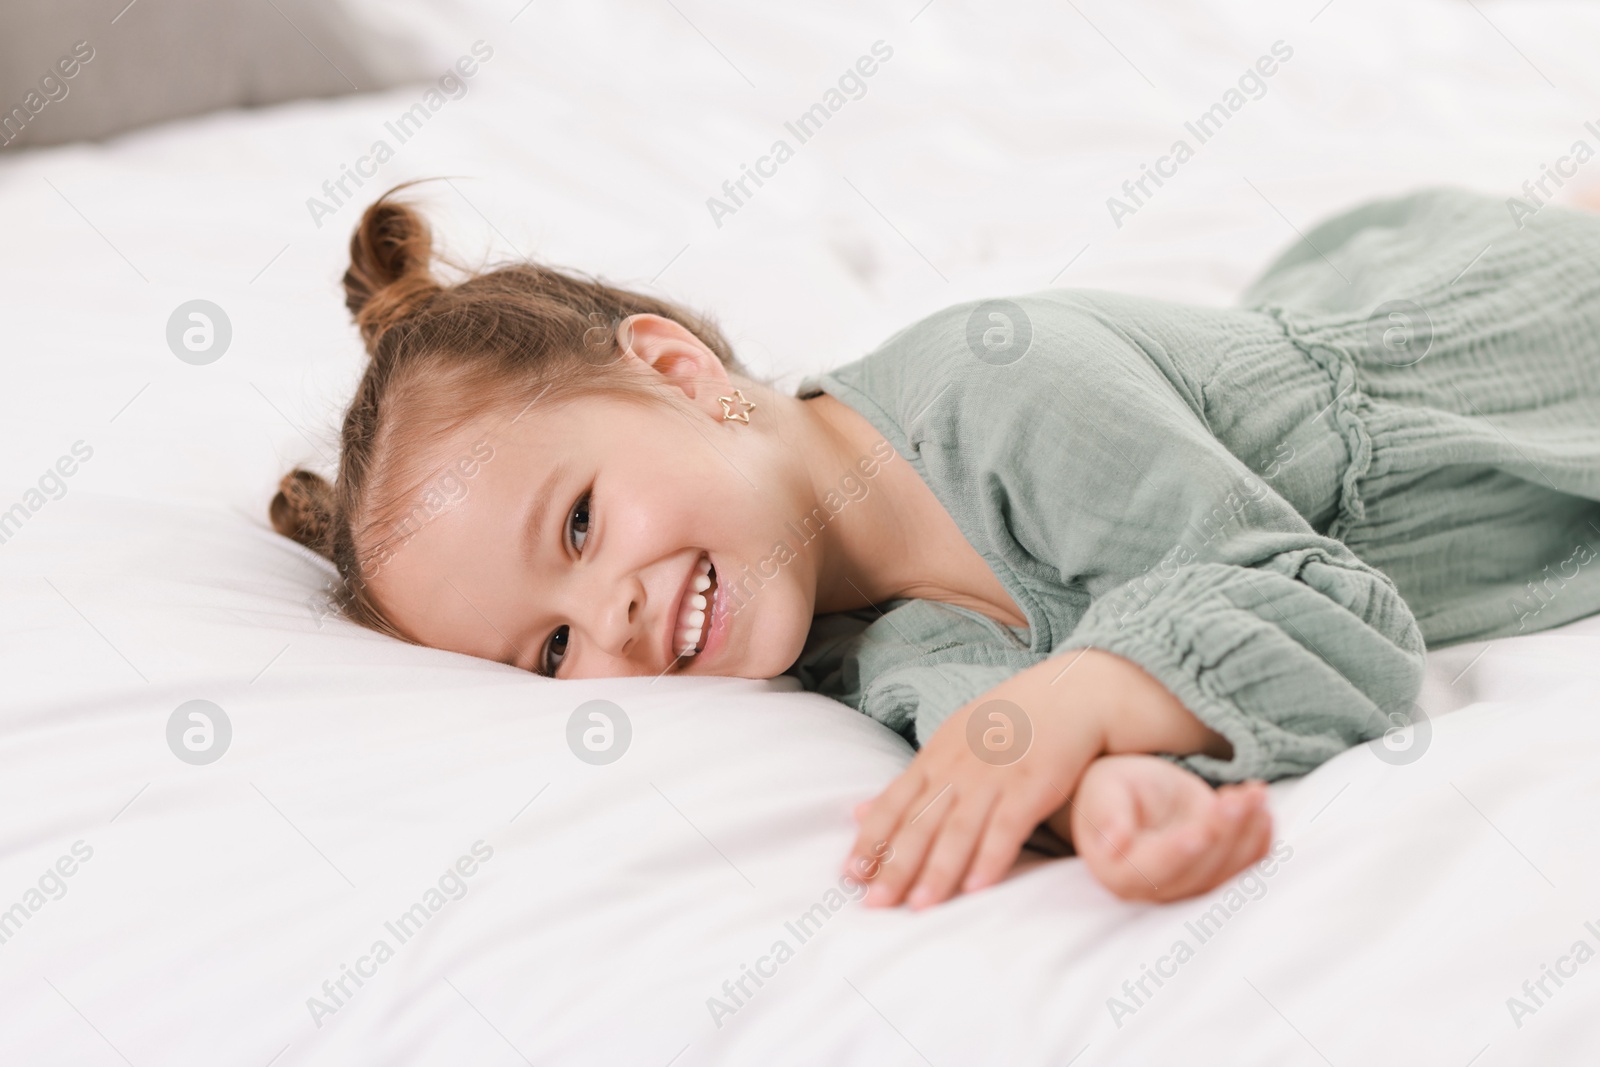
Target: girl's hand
<point>958,815</point>
<point>1151,830</point>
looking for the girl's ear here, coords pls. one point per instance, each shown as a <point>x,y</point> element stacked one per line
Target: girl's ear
<point>667,348</point>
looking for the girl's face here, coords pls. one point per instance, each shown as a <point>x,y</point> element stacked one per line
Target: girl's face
<point>571,546</point>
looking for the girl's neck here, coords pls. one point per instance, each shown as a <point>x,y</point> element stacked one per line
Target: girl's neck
<point>896,539</point>
<point>864,554</point>
<point>893,539</point>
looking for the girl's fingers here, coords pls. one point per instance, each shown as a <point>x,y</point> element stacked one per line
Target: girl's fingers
<point>1177,850</point>
<point>1107,846</point>
<point>1177,857</point>
<point>884,814</point>
<point>1105,817</point>
<point>910,843</point>
<point>952,852</point>
<point>1237,820</point>
<point>1116,833</point>
<point>1229,820</point>
<point>1203,847</point>
<point>1012,821</point>
<point>1254,840</point>
<point>1111,833</point>
<point>1120,872</point>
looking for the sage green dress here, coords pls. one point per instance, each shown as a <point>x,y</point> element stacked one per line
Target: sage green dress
<point>1393,444</point>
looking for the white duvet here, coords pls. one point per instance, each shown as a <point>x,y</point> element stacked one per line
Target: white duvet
<point>398,859</point>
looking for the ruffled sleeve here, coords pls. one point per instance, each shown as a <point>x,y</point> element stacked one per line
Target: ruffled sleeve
<point>1293,659</point>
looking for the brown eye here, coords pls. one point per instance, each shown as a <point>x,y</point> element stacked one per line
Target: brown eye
<point>557,645</point>
<point>580,518</point>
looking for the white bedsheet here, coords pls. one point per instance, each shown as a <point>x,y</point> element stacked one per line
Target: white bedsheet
<point>1415,899</point>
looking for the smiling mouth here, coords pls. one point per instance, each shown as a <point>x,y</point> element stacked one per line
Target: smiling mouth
<point>694,619</point>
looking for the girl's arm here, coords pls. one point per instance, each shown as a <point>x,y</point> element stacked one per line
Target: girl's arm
<point>958,816</point>
<point>1187,559</point>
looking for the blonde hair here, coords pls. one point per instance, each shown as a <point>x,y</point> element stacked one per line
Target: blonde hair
<point>521,335</point>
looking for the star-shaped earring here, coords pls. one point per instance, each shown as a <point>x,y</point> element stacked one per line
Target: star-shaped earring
<point>727,407</point>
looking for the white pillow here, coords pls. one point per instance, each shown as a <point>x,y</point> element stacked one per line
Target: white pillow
<point>83,69</point>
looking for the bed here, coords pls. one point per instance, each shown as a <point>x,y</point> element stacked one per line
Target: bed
<point>364,852</point>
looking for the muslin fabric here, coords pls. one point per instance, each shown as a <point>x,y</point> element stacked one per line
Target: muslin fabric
<point>1391,444</point>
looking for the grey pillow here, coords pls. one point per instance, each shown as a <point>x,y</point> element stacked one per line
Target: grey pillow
<point>82,69</point>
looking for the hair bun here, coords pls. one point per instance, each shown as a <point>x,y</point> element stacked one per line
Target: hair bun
<point>303,509</point>
<point>389,278</point>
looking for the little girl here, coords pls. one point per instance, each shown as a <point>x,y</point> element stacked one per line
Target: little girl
<point>1109,562</point>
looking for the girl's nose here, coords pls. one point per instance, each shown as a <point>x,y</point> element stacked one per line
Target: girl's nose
<point>615,622</point>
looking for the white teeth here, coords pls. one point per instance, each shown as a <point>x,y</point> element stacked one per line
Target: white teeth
<point>695,609</point>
